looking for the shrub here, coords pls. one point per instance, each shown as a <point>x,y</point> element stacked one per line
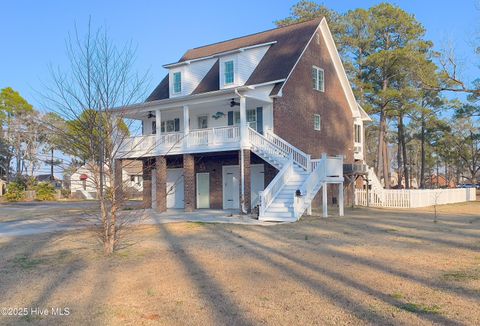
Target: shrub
<point>45,191</point>
<point>15,191</point>
<point>65,193</point>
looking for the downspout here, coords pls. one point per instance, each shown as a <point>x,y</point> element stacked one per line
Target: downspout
<point>242,162</point>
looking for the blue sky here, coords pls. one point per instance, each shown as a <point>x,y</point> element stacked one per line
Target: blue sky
<point>34,32</point>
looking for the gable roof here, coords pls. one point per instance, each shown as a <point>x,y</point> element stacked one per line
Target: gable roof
<point>276,64</point>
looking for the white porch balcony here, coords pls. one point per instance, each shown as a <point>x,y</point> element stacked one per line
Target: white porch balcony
<point>206,124</point>
<point>198,140</point>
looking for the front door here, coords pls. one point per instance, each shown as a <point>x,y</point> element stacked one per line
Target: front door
<point>231,187</point>
<point>257,179</point>
<point>175,188</point>
<point>203,190</point>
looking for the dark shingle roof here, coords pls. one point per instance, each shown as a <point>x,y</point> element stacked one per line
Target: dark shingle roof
<point>210,82</point>
<point>276,64</point>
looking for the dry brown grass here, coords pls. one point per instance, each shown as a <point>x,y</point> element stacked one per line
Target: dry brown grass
<point>372,267</point>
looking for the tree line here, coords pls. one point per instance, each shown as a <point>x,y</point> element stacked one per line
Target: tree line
<point>401,80</point>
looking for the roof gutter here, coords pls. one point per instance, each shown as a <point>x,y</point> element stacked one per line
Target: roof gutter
<point>179,100</point>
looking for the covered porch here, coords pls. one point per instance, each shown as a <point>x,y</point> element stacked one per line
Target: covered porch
<point>208,124</point>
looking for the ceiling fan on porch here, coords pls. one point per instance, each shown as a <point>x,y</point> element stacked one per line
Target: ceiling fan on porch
<point>233,103</point>
<point>150,115</point>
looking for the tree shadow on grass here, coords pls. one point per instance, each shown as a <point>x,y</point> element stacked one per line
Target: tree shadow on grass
<point>264,254</point>
<point>225,310</point>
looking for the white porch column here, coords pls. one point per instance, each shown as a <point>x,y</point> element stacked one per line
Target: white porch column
<point>186,124</point>
<point>186,120</point>
<point>340,199</point>
<point>243,122</point>
<point>324,200</point>
<point>158,123</point>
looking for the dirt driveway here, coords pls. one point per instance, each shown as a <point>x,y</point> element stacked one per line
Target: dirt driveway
<point>371,267</point>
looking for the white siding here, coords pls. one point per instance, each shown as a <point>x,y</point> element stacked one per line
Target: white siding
<point>192,74</point>
<point>245,63</point>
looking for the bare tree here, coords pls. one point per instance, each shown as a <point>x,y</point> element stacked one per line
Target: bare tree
<point>100,77</point>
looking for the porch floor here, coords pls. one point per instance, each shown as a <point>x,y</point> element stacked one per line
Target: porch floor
<point>201,215</point>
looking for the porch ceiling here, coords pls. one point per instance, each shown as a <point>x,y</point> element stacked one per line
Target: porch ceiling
<point>221,105</point>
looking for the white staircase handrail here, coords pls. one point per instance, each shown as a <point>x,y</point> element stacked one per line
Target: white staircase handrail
<point>300,157</point>
<point>272,190</point>
<point>260,142</point>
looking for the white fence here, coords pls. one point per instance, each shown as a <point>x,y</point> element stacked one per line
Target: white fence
<point>412,198</point>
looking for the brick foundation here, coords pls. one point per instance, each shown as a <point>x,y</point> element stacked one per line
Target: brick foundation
<point>247,178</point>
<point>189,177</point>
<point>161,183</point>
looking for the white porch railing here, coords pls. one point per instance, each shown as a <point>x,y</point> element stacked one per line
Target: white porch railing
<point>213,136</point>
<point>143,144</point>
<point>154,145</point>
<point>259,142</point>
<point>411,198</point>
<point>326,169</point>
<point>282,177</point>
<point>299,157</point>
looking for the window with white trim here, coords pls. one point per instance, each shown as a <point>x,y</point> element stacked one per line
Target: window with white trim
<point>203,122</point>
<point>229,72</point>
<point>251,118</point>
<point>358,133</point>
<point>177,82</point>
<point>170,126</point>
<point>318,78</point>
<point>316,122</point>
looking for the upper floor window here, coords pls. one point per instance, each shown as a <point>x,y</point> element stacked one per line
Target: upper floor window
<point>316,122</point>
<point>170,125</point>
<point>358,135</point>
<point>229,72</point>
<point>177,82</point>
<point>318,79</point>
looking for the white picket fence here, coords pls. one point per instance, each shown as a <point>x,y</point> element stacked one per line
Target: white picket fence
<point>399,198</point>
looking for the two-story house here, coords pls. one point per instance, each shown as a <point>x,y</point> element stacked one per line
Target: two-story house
<point>262,120</point>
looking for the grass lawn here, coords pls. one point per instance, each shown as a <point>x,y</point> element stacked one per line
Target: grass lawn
<point>372,266</point>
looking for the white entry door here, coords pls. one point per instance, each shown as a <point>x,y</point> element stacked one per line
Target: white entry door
<point>203,190</point>
<point>175,188</point>
<point>231,187</point>
<point>257,179</point>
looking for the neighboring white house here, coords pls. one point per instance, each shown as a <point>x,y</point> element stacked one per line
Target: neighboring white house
<point>83,182</point>
<point>3,187</point>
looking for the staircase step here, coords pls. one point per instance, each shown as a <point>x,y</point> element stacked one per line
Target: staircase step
<point>281,204</point>
<point>279,210</point>
<point>276,218</point>
<point>278,214</point>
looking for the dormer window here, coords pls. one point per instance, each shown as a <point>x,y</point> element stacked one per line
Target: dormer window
<point>177,82</point>
<point>229,72</point>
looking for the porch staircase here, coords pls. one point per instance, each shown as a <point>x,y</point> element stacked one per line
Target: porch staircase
<point>297,172</point>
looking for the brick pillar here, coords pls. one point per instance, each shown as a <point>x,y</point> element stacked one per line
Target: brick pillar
<point>161,186</point>
<point>147,183</point>
<point>189,178</point>
<point>247,178</point>
<point>118,182</point>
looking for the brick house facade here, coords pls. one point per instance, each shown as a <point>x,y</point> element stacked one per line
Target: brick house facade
<point>264,120</point>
